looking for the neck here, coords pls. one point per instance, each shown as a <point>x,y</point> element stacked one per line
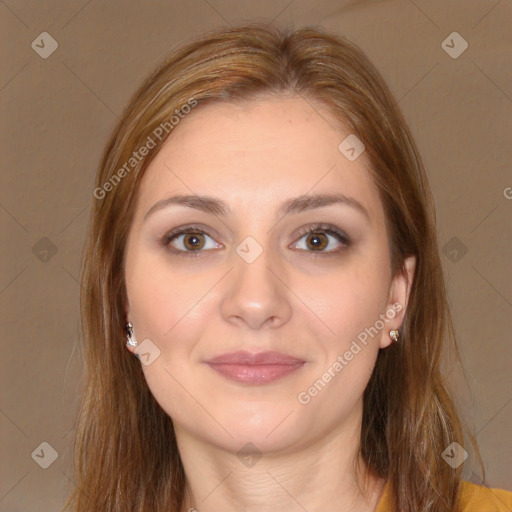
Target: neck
<point>321,476</point>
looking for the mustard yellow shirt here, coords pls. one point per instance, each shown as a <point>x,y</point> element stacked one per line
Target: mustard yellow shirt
<point>474,498</point>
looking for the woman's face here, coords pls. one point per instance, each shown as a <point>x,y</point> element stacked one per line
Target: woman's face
<point>252,277</point>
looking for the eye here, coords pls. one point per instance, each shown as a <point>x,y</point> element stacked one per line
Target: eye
<point>317,238</point>
<point>189,239</point>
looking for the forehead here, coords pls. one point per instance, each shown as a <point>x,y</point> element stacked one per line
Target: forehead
<point>257,154</point>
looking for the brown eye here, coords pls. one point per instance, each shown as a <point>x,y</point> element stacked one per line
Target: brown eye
<point>189,241</point>
<point>317,241</point>
<point>318,238</point>
<point>193,241</point>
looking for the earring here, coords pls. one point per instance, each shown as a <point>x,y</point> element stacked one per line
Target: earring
<point>394,335</point>
<point>131,341</point>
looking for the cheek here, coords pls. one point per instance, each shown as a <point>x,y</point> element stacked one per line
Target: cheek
<point>350,300</point>
<point>165,307</point>
<point>350,304</point>
<point>160,298</point>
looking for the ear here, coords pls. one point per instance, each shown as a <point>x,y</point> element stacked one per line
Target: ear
<point>398,299</point>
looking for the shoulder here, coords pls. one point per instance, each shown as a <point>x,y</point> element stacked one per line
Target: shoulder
<point>484,499</point>
<point>473,498</point>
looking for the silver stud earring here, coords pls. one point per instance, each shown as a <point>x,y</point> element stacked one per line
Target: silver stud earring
<point>394,335</point>
<point>131,341</point>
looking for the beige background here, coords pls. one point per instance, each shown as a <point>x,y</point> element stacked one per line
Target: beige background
<point>56,114</point>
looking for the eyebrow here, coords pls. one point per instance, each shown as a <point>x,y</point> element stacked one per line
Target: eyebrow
<point>298,204</point>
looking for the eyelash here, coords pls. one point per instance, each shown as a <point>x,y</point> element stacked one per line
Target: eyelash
<point>196,230</point>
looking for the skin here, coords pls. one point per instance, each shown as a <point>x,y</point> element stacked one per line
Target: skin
<point>292,299</point>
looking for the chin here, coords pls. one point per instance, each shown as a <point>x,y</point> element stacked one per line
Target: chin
<point>269,429</point>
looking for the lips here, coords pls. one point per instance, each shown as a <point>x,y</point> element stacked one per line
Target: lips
<point>245,357</point>
<point>255,368</point>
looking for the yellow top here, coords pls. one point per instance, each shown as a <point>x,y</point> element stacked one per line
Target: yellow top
<point>474,498</point>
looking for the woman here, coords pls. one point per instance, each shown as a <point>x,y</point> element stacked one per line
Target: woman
<point>264,231</point>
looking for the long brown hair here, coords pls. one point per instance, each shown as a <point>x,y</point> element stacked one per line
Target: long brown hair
<point>126,456</point>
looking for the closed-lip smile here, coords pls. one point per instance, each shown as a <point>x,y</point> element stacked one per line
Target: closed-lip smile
<point>255,368</point>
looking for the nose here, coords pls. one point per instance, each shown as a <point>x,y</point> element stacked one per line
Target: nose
<point>257,295</point>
